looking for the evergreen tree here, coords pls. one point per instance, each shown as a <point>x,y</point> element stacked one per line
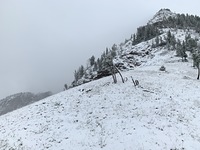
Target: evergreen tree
<point>196,62</point>
<point>134,37</point>
<point>95,66</point>
<point>99,64</point>
<point>173,41</point>
<point>107,51</point>
<point>157,41</point>
<point>169,36</point>
<point>76,76</point>
<point>92,61</point>
<point>66,87</point>
<point>179,48</point>
<point>81,72</point>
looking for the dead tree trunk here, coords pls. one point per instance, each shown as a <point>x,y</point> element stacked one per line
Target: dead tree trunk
<point>112,70</point>
<point>198,71</point>
<point>114,75</point>
<point>119,73</point>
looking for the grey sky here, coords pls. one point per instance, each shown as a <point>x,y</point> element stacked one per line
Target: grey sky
<point>42,42</point>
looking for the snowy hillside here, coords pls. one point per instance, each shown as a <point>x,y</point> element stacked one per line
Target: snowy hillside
<point>161,15</point>
<point>161,113</point>
<point>143,53</point>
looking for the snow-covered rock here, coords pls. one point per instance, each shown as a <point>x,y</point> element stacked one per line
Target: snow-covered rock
<point>162,15</point>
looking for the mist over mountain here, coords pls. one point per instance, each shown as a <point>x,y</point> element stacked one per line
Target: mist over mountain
<point>20,100</point>
<point>163,30</point>
<point>142,93</point>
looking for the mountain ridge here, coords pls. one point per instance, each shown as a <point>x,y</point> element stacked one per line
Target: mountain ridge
<point>168,23</point>
<point>19,100</point>
<point>160,112</point>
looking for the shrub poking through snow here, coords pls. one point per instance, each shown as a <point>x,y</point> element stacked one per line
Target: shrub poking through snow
<point>162,68</point>
<point>135,82</point>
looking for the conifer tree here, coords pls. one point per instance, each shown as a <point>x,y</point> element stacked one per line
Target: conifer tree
<point>76,76</point>
<point>157,41</point>
<point>81,72</point>
<point>92,61</point>
<point>66,87</point>
<point>196,61</point>
<point>95,66</point>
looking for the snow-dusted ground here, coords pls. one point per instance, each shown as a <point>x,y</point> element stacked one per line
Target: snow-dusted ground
<point>163,112</point>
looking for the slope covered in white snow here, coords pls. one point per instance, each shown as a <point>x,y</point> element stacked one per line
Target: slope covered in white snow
<point>161,113</point>
<point>161,15</point>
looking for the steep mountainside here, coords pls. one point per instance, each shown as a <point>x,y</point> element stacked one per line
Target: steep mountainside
<point>20,100</point>
<point>176,32</point>
<point>162,112</point>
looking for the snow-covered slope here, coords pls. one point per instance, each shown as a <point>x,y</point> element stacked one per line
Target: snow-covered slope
<point>143,53</point>
<point>161,15</point>
<point>161,113</point>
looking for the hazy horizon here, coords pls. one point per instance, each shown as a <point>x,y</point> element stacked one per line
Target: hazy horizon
<point>42,42</point>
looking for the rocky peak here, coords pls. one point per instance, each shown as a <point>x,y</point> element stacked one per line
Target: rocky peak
<point>161,15</point>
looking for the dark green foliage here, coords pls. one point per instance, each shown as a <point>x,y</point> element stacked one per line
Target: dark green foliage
<point>66,87</point>
<point>170,41</point>
<point>101,64</point>
<point>145,33</point>
<point>181,21</point>
<point>157,41</point>
<point>169,36</point>
<point>81,72</point>
<point>196,61</point>
<point>76,76</point>
<point>95,66</point>
<point>107,51</point>
<point>191,44</point>
<point>173,42</point>
<point>181,50</point>
<point>113,51</point>
<point>92,61</point>
<point>196,58</point>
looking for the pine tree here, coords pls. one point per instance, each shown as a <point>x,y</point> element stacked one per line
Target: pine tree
<point>179,48</point>
<point>196,62</point>
<point>99,64</point>
<point>157,41</point>
<point>66,87</point>
<point>95,66</point>
<point>107,51</point>
<point>76,76</point>
<point>168,39</point>
<point>92,61</point>
<point>173,41</point>
<point>81,72</point>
